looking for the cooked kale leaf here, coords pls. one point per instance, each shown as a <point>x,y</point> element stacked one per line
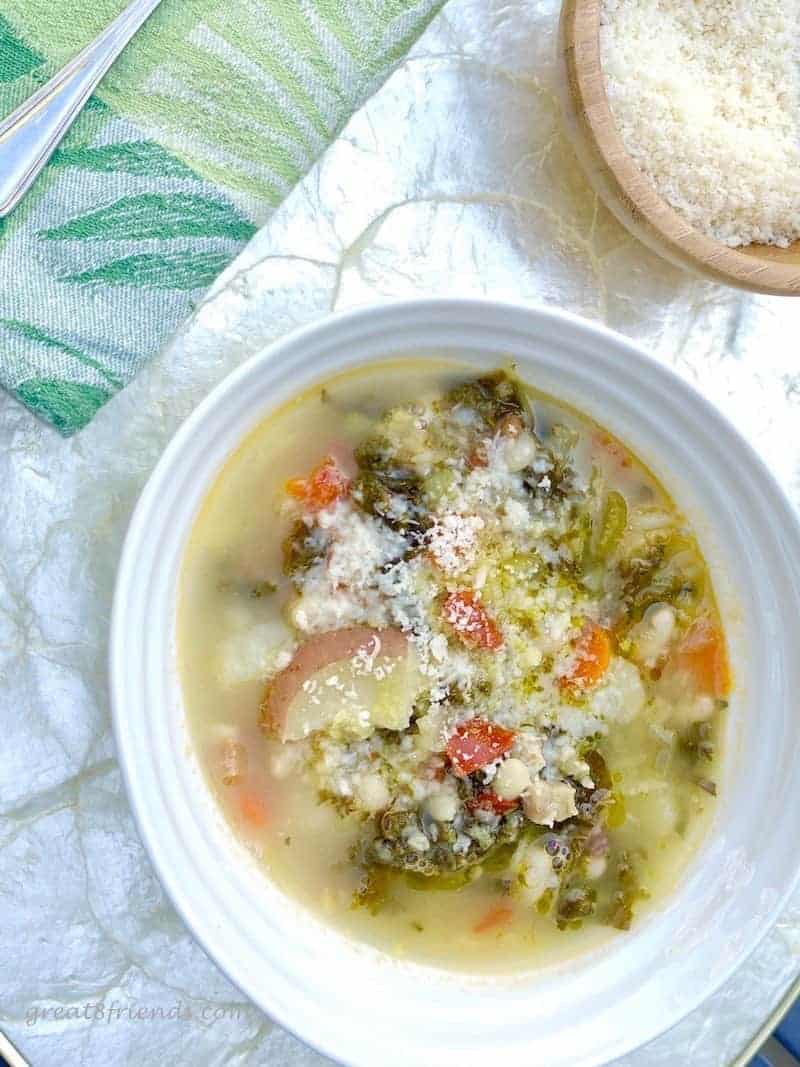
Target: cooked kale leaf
<point>390,490</point>
<point>391,846</point>
<point>494,397</point>
<point>302,547</point>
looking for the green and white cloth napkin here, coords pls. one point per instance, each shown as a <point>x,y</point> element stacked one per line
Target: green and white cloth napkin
<point>209,118</point>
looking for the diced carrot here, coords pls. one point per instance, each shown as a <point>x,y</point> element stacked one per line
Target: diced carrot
<point>324,486</point>
<point>468,617</point>
<point>477,743</point>
<point>253,810</point>
<point>702,654</point>
<point>489,801</point>
<point>497,916</point>
<point>592,651</point>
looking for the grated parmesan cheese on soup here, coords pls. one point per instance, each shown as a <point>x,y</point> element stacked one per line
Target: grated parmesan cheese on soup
<point>485,660</point>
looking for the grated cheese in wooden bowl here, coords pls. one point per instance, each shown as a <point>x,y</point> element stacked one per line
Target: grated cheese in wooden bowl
<point>706,98</point>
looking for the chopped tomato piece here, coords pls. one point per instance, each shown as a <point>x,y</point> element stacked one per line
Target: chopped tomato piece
<point>490,801</point>
<point>493,918</point>
<point>324,486</point>
<point>476,744</point>
<point>253,809</point>
<point>701,653</point>
<point>592,651</point>
<point>471,621</point>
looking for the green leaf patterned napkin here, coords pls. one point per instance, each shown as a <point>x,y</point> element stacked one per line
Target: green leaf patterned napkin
<point>209,118</point>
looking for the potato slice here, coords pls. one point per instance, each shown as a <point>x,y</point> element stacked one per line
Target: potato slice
<point>348,681</point>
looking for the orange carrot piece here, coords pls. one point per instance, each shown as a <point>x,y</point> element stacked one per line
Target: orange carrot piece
<point>471,621</point>
<point>702,655</point>
<point>253,810</point>
<point>495,917</point>
<point>324,486</point>
<point>297,488</point>
<point>592,657</point>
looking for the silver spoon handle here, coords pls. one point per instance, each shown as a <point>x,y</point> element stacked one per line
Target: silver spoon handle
<point>11,1055</point>
<point>30,134</point>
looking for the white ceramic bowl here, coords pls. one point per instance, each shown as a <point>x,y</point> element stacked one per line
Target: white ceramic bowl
<point>352,1003</point>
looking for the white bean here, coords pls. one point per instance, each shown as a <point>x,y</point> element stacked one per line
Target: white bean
<point>654,633</point>
<point>511,780</point>
<point>536,870</point>
<point>442,807</point>
<point>519,452</point>
<point>418,841</point>
<point>373,793</point>
<point>662,618</point>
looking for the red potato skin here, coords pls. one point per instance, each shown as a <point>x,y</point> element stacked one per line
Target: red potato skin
<point>315,654</point>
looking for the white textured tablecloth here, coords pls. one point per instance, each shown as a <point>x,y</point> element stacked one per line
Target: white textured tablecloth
<point>455,179</point>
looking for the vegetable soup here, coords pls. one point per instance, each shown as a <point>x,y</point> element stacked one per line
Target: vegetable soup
<point>453,666</point>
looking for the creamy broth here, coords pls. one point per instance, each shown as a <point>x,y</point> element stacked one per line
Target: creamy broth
<point>625,678</point>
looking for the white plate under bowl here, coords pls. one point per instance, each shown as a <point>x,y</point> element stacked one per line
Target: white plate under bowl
<point>351,1002</point>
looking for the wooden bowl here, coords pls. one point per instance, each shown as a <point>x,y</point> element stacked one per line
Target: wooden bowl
<point>630,195</point>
